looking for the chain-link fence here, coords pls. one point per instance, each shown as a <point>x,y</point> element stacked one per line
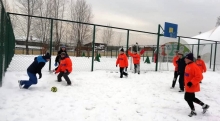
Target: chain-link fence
<point>91,46</point>
<point>7,41</point>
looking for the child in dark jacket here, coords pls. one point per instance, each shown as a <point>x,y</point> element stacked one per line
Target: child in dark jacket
<point>33,69</point>
<point>58,57</point>
<point>181,69</point>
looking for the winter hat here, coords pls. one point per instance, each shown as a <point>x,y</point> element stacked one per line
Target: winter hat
<point>63,46</point>
<point>122,50</point>
<point>47,56</point>
<point>189,56</point>
<point>177,51</point>
<point>180,53</point>
<point>199,56</point>
<point>63,53</point>
<point>135,51</point>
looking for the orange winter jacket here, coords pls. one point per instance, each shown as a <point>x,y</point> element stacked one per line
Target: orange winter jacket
<point>65,65</point>
<point>175,58</point>
<point>136,57</point>
<point>194,75</point>
<point>122,60</point>
<point>201,65</point>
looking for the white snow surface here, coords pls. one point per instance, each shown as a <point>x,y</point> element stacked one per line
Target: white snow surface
<point>103,96</point>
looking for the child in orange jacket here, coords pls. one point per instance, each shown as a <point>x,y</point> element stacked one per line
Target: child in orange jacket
<point>201,65</point>
<point>122,61</point>
<point>192,78</point>
<point>175,59</point>
<point>64,68</point>
<point>136,61</point>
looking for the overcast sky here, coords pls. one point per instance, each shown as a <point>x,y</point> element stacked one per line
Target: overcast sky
<point>192,16</point>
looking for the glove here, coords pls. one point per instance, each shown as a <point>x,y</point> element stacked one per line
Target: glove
<point>55,64</point>
<point>116,65</point>
<point>189,84</point>
<point>40,75</point>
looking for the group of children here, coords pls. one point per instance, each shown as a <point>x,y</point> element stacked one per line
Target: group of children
<point>190,72</point>
<point>122,61</point>
<point>63,66</point>
<point>62,62</point>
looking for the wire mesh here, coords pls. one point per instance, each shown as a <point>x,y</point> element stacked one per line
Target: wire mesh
<point>7,41</point>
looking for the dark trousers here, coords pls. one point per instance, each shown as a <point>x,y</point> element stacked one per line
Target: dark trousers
<point>175,78</point>
<point>122,72</point>
<point>190,98</point>
<point>181,81</point>
<point>32,80</point>
<point>65,76</point>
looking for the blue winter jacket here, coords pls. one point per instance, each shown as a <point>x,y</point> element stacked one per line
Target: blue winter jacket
<point>37,65</point>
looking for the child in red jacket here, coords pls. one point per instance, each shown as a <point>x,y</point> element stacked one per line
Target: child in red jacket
<point>201,65</point>
<point>136,61</point>
<point>193,76</point>
<point>122,61</point>
<point>64,68</point>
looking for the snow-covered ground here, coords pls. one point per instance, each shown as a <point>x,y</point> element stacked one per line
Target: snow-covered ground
<point>102,95</point>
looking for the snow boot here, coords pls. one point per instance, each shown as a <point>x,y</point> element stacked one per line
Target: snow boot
<point>205,108</point>
<point>192,113</point>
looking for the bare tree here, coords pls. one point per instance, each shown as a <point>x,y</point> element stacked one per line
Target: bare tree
<point>107,36</point>
<point>81,12</point>
<point>42,26</point>
<point>119,39</point>
<point>59,9</point>
<point>218,21</point>
<point>29,7</point>
<point>6,5</point>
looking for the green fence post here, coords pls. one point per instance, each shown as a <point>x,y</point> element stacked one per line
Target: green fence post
<point>178,46</point>
<point>215,55</point>
<point>127,42</point>
<point>51,39</point>
<point>93,47</point>
<point>210,63</point>
<point>198,47</point>
<point>111,52</point>
<point>158,42</point>
<point>1,47</point>
<point>7,49</point>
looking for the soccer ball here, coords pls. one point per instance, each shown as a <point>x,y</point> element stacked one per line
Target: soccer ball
<point>54,89</point>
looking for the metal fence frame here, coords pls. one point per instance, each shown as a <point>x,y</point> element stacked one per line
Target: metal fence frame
<point>7,43</point>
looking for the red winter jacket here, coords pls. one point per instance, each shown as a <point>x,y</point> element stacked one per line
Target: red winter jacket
<point>175,58</point>
<point>65,65</point>
<point>136,57</point>
<point>194,75</point>
<point>201,65</point>
<point>122,60</point>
